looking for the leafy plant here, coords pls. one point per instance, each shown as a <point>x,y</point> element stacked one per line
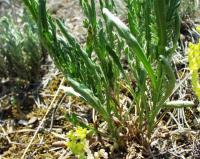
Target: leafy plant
<point>20,52</point>
<point>97,70</point>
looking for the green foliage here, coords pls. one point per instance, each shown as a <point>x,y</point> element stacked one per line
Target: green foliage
<point>20,53</point>
<point>96,71</point>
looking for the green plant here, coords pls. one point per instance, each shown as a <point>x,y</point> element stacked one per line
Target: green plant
<point>20,52</point>
<point>97,71</point>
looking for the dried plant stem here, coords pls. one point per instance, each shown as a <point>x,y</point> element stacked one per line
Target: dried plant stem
<point>6,134</point>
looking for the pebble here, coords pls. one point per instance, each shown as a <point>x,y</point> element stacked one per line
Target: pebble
<point>32,120</point>
<point>23,122</point>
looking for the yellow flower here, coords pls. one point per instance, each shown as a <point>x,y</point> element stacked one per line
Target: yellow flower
<point>194,66</point>
<point>81,133</point>
<point>77,141</point>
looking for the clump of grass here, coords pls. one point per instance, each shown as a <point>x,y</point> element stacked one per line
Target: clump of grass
<point>97,72</point>
<point>20,51</point>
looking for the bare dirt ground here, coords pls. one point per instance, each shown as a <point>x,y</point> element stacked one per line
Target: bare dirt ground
<point>18,126</point>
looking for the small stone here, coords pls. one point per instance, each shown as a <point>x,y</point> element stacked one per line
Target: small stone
<point>96,155</point>
<point>32,120</point>
<point>59,144</point>
<point>23,122</point>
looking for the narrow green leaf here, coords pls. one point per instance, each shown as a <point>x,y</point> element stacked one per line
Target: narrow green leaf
<point>170,77</point>
<point>132,42</point>
<point>89,97</point>
<point>115,58</point>
<point>161,14</point>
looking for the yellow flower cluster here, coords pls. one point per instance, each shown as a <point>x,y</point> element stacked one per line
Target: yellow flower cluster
<point>77,142</point>
<point>194,65</point>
